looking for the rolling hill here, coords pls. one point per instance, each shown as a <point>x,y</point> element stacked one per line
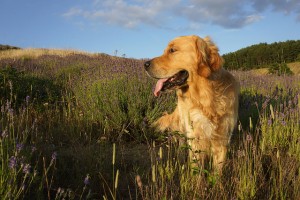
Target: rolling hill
<point>257,57</point>
<point>263,55</point>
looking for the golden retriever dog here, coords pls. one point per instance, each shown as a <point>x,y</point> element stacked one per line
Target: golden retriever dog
<point>207,96</point>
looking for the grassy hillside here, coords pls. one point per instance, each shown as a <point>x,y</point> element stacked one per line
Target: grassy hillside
<point>35,53</point>
<point>294,66</point>
<point>76,126</point>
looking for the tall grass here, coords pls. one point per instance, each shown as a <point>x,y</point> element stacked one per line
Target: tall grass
<point>76,126</point>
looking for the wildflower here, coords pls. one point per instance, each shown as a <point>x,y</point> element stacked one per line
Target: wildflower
<point>26,169</point>
<point>87,180</point>
<point>33,149</point>
<point>10,111</point>
<point>248,137</point>
<point>240,153</point>
<point>10,85</point>
<point>4,134</point>
<point>145,122</point>
<point>269,122</point>
<point>54,156</point>
<point>59,193</point>
<point>264,105</point>
<point>27,99</point>
<point>290,103</point>
<point>8,105</point>
<point>12,162</point>
<point>253,150</point>
<point>19,147</point>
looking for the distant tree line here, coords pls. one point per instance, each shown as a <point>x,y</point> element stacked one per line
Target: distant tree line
<point>263,55</point>
<point>7,47</point>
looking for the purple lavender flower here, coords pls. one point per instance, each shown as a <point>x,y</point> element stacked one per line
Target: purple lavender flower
<point>27,99</point>
<point>10,111</point>
<point>19,147</point>
<point>54,156</point>
<point>26,168</point>
<point>87,180</point>
<point>269,122</point>
<point>33,149</point>
<point>4,134</point>
<point>12,162</point>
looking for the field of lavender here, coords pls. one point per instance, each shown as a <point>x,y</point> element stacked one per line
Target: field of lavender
<point>76,126</point>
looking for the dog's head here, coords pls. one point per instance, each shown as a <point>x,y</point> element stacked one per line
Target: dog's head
<point>184,58</point>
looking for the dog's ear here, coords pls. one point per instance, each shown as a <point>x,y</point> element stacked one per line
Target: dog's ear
<point>215,61</point>
<point>208,56</point>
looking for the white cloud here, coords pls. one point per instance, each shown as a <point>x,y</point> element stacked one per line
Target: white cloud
<point>73,12</point>
<point>278,5</point>
<point>158,13</point>
<point>129,14</point>
<point>284,6</point>
<point>225,13</point>
<point>253,18</point>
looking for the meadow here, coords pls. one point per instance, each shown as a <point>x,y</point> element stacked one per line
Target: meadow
<point>75,125</point>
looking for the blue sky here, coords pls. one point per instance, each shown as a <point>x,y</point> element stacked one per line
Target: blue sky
<point>143,28</point>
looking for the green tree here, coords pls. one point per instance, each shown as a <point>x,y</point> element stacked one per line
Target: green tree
<point>280,69</point>
<point>263,54</point>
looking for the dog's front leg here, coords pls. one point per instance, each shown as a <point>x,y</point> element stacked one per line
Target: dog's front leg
<point>168,122</point>
<point>219,151</point>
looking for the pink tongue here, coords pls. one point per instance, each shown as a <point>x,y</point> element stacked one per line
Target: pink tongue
<point>159,86</point>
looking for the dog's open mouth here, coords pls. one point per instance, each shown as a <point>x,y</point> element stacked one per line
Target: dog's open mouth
<point>174,82</point>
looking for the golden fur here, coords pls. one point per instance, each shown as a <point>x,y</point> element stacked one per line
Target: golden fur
<point>207,105</point>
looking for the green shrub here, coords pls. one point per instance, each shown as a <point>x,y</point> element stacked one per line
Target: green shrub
<point>298,57</point>
<point>19,87</point>
<point>280,69</point>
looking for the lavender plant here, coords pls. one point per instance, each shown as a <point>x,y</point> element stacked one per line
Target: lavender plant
<point>60,114</point>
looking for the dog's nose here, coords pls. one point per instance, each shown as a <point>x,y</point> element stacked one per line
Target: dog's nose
<point>147,64</point>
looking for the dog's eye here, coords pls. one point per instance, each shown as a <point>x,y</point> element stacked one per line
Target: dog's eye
<point>172,50</point>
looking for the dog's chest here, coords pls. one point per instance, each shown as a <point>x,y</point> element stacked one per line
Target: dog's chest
<point>194,123</point>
